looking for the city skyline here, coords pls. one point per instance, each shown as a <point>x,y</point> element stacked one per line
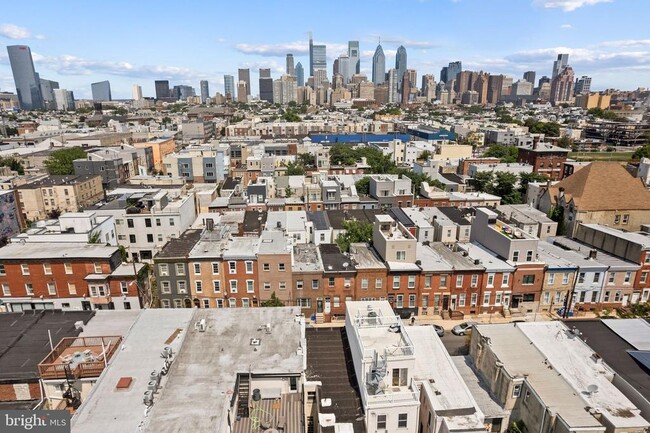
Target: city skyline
<point>613,58</point>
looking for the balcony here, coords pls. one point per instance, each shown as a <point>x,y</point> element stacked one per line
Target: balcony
<point>79,357</point>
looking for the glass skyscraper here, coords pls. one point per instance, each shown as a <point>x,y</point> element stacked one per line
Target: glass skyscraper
<point>400,64</point>
<point>101,91</point>
<point>28,86</point>
<point>300,74</point>
<point>379,66</point>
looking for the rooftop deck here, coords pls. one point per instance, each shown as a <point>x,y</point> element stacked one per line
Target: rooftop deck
<point>79,357</point>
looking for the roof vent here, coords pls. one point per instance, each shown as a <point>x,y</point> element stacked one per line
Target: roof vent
<point>255,341</point>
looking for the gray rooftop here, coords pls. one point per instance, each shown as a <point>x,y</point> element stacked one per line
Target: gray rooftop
<point>635,331</point>
<point>485,400</point>
<point>365,257</point>
<point>306,258</point>
<point>59,250</point>
<point>636,238</point>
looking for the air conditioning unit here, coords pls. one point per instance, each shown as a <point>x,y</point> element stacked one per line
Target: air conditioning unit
<point>347,285</point>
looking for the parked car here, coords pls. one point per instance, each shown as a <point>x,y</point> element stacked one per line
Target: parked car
<point>439,330</point>
<point>463,328</point>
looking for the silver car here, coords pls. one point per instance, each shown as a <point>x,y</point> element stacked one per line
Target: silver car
<point>439,330</point>
<point>463,328</point>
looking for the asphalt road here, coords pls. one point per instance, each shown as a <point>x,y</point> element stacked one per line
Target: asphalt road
<point>456,345</point>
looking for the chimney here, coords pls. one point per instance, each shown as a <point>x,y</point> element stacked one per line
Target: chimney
<point>593,254</point>
<point>561,193</point>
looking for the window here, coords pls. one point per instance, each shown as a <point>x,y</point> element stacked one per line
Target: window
<point>216,286</point>
<point>331,281</point>
<point>47,269</point>
<point>617,219</point>
<point>129,223</point>
<point>178,303</point>
<point>245,302</point>
<point>516,390</point>
<point>546,298</point>
<point>459,281</point>
<point>594,296</point>
<point>505,280</point>
<point>68,268</point>
<point>612,277</point>
<point>400,256</point>
<point>165,303</point>
<point>6,291</point>
<point>163,269</point>
<point>51,288</point>
<point>300,284</point>
<point>486,298</point>
<point>396,282</point>
<point>171,222</point>
<point>400,376</point>
<point>427,281</point>
<point>281,267</point>
<point>266,267</point>
<point>411,283</point>
<point>644,277</point>
<point>529,279</point>
<point>597,277</point>
<point>147,222</point>
<point>181,286</point>
<point>282,285</point>
<point>381,422</point>
<point>206,303</point>
<point>197,268</point>
<point>411,301</point>
<point>490,280</point>
<point>628,277</point>
<point>232,267</point>
<point>565,278</point>
<point>474,299</point>
<point>581,277</point>
<point>443,280</point>
<point>529,256</point>
<point>626,218</point>
<point>232,302</point>
<point>606,296</point>
<point>165,287</point>
<point>29,289</point>
<point>315,284</point>
<point>96,291</point>
<point>474,280</point>
<point>337,301</point>
<point>378,283</point>
<point>364,283</point>
<point>150,238</point>
<point>132,239</point>
<point>515,256</point>
<point>249,267</point>
<point>461,300</point>
<point>617,296</point>
<point>180,269</point>
<point>233,286</point>
<point>399,301</point>
<point>250,286</point>
<point>402,420</point>
<point>267,285</point>
<point>551,278</point>
<point>198,285</point>
<point>158,224</point>
<point>24,268</point>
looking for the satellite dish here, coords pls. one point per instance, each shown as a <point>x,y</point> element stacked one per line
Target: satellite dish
<point>592,389</point>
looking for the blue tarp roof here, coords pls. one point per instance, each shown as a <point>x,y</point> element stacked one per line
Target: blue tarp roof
<point>641,356</point>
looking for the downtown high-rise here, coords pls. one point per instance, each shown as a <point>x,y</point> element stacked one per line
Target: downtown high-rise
<point>353,54</point>
<point>300,74</point>
<point>229,86</point>
<point>559,65</point>
<point>378,66</point>
<point>400,64</point>
<point>101,91</point>
<point>28,86</point>
<point>317,56</point>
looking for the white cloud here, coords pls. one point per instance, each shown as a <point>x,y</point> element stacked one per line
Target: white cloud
<point>12,31</point>
<point>567,5</point>
<point>626,43</point>
<point>566,26</point>
<point>274,50</point>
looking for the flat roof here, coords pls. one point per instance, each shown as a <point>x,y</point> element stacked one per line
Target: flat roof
<point>487,258</point>
<point>306,258</point>
<point>573,359</point>
<point>199,386</point>
<point>636,238</point>
<point>365,257</point>
<point>181,246</point>
<point>486,401</point>
<point>635,331</point>
<point>110,322</point>
<point>524,213</point>
<point>55,250</point>
<point>274,242</point>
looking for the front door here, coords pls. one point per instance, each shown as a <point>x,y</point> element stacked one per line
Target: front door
<point>328,305</point>
<point>445,302</point>
<point>319,305</point>
<point>625,299</point>
<point>506,300</point>
<point>635,298</point>
<point>515,301</point>
<point>453,302</point>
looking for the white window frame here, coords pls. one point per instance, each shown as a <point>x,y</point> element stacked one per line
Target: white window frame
<point>459,280</point>
<point>215,268</point>
<point>249,267</point>
<point>198,286</point>
<point>197,268</point>
<point>233,286</point>
<point>250,286</point>
<point>68,268</point>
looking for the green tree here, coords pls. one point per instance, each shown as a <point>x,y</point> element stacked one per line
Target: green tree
<point>123,253</point>
<point>61,161</point>
<point>294,169</point>
<point>291,116</point>
<point>604,114</point>
<point>54,214</point>
<point>504,187</point>
<point>274,301</point>
<point>565,142</point>
<point>557,215</point>
<point>525,178</point>
<point>506,154</point>
<point>642,152</point>
<point>13,164</point>
<point>121,111</point>
<point>95,237</point>
<point>475,109</point>
<point>483,181</point>
<point>424,156</point>
<point>306,160</point>
<point>363,186</point>
<point>355,231</point>
<point>287,191</point>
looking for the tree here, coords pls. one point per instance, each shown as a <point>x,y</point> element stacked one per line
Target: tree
<point>290,116</point>
<point>61,161</point>
<point>95,237</point>
<point>287,191</point>
<point>475,109</point>
<point>504,187</point>
<point>526,178</point>
<point>363,186</point>
<point>565,142</point>
<point>506,154</point>
<point>306,160</point>
<point>13,164</point>
<point>557,215</point>
<point>550,129</point>
<point>54,214</point>
<point>483,181</point>
<point>274,301</point>
<point>355,231</point>
<point>124,254</point>
<point>604,114</point>
<point>293,169</point>
<point>121,111</point>
<point>424,156</point>
<point>642,152</point>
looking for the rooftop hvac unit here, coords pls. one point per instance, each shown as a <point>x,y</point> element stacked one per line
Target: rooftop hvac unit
<point>152,386</point>
<point>148,398</point>
<point>167,352</point>
<point>200,325</point>
<point>155,377</point>
<point>79,325</point>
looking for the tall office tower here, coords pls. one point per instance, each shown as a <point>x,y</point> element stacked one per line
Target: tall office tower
<point>558,65</point>
<point>463,82</point>
<point>64,100</point>
<point>291,70</point>
<point>345,68</point>
<point>182,92</point>
<point>242,96</point>
<point>335,67</point>
<point>300,75</point>
<point>337,81</point>
<point>495,85</point>
<point>266,85</point>
<point>392,86</point>
<point>205,91</point>
<point>530,77</point>
<point>245,76</point>
<point>400,63</point>
<point>320,79</point>
<point>47,93</point>
<point>229,87</point>
<point>28,86</point>
<point>317,56</point>
<point>522,88</point>
<point>543,80</point>
<point>285,90</point>
<point>481,83</point>
<point>162,89</point>
<point>443,74</point>
<point>378,66</point>
<point>406,88</point>
<point>413,78</point>
<point>453,69</point>
<point>429,87</point>
<point>507,86</point>
<point>583,85</point>
<point>562,86</point>
<point>353,54</point>
<point>101,91</point>
<point>136,92</point>
<point>311,55</point>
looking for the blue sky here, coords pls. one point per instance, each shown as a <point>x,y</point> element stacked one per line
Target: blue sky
<point>136,42</point>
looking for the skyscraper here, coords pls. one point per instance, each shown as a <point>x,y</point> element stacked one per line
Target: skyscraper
<point>406,88</point>
<point>162,89</point>
<point>392,87</point>
<point>245,76</point>
<point>266,85</point>
<point>378,66</point>
<point>28,86</point>
<point>64,99</point>
<point>290,68</point>
<point>47,93</point>
<point>428,87</point>
<point>345,68</point>
<point>583,85</point>
<point>558,65</point>
<point>229,86</point>
<point>136,92</point>
<point>300,75</point>
<point>530,77</point>
<point>443,74</point>
<point>205,91</point>
<point>101,91</point>
<point>562,86</point>
<point>453,70</point>
<point>311,55</point>
<point>241,91</point>
<point>400,64</point>
<point>317,56</point>
<point>353,54</point>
